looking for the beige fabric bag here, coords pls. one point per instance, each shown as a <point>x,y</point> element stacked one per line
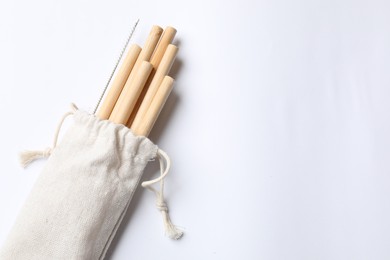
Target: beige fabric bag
<point>80,198</point>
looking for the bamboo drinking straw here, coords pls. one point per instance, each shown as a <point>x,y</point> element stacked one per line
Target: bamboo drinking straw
<point>119,82</point>
<point>166,38</point>
<point>145,55</point>
<point>162,71</point>
<point>148,49</point>
<point>155,107</point>
<point>122,111</point>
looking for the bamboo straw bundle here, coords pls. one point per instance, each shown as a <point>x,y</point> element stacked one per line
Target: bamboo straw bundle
<point>142,85</point>
<point>85,189</point>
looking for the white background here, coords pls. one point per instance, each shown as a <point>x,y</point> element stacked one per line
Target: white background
<point>278,127</point>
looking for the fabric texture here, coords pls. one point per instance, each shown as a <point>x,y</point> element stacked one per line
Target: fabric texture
<point>80,198</point>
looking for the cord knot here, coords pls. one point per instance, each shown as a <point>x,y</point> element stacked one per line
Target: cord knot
<point>162,206</point>
<point>47,152</point>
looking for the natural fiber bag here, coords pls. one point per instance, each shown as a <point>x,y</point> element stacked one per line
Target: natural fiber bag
<point>80,198</point>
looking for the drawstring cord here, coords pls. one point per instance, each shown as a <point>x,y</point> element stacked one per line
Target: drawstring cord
<point>27,157</point>
<point>171,230</point>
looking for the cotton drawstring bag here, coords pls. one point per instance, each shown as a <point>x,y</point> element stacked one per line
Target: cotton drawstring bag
<point>83,192</point>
